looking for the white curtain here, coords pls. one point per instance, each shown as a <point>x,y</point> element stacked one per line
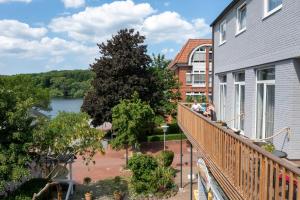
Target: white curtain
<point>259,110</point>
<point>269,115</point>
<point>242,107</point>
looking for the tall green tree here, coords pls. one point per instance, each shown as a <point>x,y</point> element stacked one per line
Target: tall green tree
<point>130,118</point>
<point>18,96</point>
<point>167,84</point>
<point>68,133</point>
<point>122,69</point>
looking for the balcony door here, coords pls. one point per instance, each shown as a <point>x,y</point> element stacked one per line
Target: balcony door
<point>265,105</point>
<point>239,101</point>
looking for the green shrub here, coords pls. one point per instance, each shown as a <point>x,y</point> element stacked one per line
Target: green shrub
<point>162,179</point>
<point>27,189</point>
<point>142,167</point>
<point>149,177</point>
<point>165,158</point>
<point>157,138</point>
<point>269,147</point>
<point>173,128</point>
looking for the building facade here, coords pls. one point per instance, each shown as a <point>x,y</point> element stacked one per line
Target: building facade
<point>257,70</point>
<point>193,67</point>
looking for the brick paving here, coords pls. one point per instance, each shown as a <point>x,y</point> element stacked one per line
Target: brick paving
<point>111,164</point>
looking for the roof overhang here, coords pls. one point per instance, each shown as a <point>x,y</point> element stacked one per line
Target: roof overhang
<point>224,12</point>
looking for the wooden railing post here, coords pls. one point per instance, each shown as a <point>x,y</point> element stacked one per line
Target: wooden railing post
<point>244,170</point>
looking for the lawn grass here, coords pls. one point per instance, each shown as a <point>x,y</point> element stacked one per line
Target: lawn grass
<point>156,138</point>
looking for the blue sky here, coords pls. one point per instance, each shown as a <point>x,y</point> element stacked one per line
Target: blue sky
<point>45,35</point>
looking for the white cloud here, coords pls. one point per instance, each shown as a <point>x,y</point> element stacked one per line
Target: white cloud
<point>8,1</point>
<point>14,28</point>
<point>98,23</point>
<point>34,46</point>
<point>167,50</point>
<point>172,27</point>
<point>73,3</point>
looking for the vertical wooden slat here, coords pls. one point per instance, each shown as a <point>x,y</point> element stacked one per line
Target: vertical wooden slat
<point>270,192</point>
<point>254,174</point>
<point>256,179</point>
<point>277,191</point>
<point>283,183</point>
<point>291,185</point>
<point>298,187</point>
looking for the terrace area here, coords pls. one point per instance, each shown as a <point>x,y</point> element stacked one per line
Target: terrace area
<point>243,169</point>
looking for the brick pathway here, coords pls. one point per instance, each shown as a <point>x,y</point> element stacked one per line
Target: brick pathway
<point>111,164</point>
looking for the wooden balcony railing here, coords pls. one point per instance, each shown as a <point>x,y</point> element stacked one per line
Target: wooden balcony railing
<point>244,170</point>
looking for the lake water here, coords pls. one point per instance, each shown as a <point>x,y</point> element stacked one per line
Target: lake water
<point>67,105</point>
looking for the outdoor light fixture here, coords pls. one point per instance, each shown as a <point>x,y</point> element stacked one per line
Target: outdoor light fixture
<point>165,128</point>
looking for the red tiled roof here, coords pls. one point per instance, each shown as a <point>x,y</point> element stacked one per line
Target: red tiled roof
<point>183,56</point>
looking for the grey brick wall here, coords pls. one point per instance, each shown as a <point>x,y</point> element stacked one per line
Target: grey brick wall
<point>273,41</point>
<point>265,40</point>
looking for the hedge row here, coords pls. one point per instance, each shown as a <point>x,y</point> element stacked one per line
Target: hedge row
<point>155,138</point>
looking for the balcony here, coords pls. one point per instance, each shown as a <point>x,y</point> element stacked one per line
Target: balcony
<point>243,170</point>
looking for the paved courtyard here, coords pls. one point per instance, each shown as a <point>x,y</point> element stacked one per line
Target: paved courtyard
<point>111,164</point>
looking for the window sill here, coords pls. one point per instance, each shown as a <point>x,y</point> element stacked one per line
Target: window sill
<point>275,10</point>
<point>222,43</point>
<point>240,32</point>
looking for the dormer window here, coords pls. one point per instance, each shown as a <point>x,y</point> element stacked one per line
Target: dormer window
<point>199,55</point>
<point>241,18</point>
<point>271,6</point>
<point>223,32</point>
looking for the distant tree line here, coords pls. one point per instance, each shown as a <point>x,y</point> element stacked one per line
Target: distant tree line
<point>66,83</point>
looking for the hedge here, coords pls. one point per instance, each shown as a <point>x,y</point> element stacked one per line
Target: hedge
<point>155,138</point>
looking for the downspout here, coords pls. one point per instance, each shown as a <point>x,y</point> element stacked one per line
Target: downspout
<point>213,64</point>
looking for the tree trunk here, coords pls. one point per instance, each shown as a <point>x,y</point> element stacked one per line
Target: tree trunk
<point>126,156</point>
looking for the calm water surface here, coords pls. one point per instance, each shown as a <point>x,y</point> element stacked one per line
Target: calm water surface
<point>67,105</point>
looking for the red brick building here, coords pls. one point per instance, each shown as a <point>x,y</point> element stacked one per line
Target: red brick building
<point>193,67</point>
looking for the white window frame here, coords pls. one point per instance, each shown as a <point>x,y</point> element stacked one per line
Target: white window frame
<point>265,83</point>
<point>191,74</point>
<point>240,84</point>
<point>222,86</point>
<point>220,32</point>
<point>267,13</point>
<point>240,30</point>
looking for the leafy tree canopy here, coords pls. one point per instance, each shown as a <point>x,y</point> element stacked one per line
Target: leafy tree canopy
<point>167,84</point>
<point>65,83</point>
<point>124,67</point>
<point>130,118</point>
<point>68,133</point>
<point>17,97</point>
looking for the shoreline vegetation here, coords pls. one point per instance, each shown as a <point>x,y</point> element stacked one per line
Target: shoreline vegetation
<point>70,84</point>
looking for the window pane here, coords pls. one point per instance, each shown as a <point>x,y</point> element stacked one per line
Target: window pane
<point>242,107</point>
<point>223,32</point>
<point>242,13</point>
<point>266,74</point>
<point>259,110</point>
<point>269,115</point>
<point>273,4</point>
<point>188,78</point>
<point>240,77</point>
<point>198,57</point>
<point>236,107</point>
<point>223,79</point>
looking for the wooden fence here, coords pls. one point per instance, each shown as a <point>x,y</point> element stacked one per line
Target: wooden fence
<point>243,169</point>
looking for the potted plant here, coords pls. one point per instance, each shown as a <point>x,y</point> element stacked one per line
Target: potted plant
<point>117,195</point>
<point>88,194</point>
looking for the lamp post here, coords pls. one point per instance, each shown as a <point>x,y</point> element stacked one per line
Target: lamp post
<point>165,128</point>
